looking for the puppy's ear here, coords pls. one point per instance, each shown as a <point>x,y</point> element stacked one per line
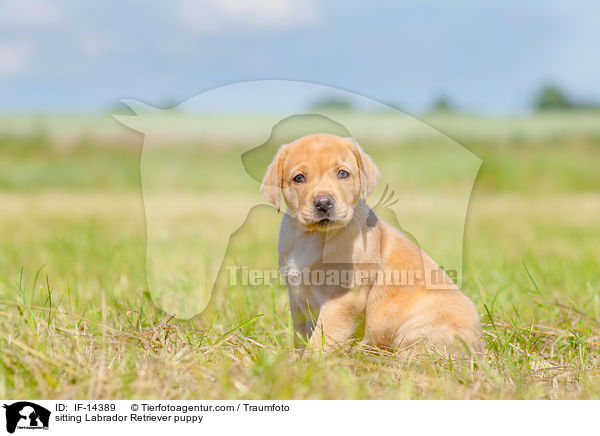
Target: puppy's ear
<point>369,174</point>
<point>273,180</point>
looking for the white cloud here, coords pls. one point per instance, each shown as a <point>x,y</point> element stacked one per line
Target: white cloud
<point>14,57</point>
<point>223,16</point>
<point>29,13</point>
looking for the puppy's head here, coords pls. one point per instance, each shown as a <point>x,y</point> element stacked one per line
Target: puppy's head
<point>322,177</point>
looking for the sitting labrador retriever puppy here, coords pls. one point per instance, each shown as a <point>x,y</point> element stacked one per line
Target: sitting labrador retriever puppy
<point>329,234</point>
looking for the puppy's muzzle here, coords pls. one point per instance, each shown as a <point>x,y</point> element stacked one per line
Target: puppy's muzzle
<point>324,204</point>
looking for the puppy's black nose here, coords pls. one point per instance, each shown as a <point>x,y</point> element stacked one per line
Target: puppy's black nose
<point>323,203</point>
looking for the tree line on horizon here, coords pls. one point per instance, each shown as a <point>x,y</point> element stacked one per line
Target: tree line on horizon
<point>549,97</point>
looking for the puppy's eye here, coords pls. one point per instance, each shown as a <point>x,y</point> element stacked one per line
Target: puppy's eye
<point>343,174</point>
<point>300,178</point>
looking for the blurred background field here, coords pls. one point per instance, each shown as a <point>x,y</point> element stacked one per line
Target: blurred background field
<point>47,151</point>
<point>77,320</point>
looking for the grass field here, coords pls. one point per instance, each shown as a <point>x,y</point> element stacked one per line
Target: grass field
<point>77,319</point>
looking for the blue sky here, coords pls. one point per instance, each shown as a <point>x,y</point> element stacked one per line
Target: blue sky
<point>488,57</point>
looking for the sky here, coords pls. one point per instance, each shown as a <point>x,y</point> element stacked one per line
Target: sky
<point>487,57</point>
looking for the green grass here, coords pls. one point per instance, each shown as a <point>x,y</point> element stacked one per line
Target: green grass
<point>77,320</point>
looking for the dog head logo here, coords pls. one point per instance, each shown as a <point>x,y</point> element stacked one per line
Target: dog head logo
<point>189,229</point>
<point>26,415</point>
